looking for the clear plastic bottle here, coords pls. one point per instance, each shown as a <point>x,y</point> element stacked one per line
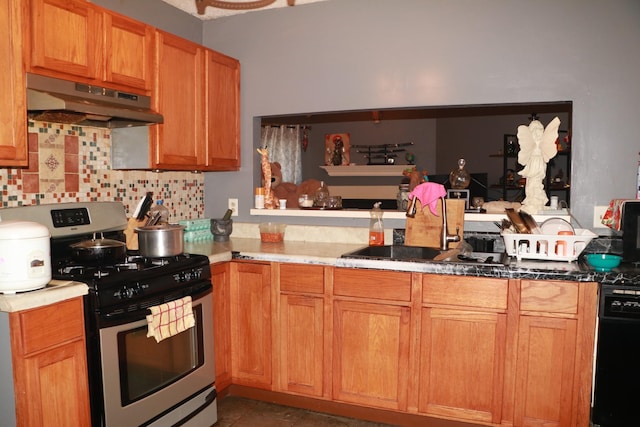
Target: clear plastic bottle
<point>161,211</point>
<point>376,226</point>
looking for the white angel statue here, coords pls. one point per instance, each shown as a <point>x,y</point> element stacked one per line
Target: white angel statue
<point>537,147</point>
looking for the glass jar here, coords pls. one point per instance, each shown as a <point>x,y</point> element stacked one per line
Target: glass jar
<point>321,198</point>
<point>459,178</point>
<point>402,198</point>
<point>305,201</point>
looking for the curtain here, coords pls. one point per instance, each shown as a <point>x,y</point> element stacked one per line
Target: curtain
<point>284,146</point>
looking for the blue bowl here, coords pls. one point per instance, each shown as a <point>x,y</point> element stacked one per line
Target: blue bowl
<point>603,262</point>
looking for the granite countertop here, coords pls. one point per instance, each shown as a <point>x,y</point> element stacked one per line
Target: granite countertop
<point>330,254</point>
<point>55,291</point>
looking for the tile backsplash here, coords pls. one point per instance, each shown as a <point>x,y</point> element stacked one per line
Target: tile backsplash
<point>69,163</point>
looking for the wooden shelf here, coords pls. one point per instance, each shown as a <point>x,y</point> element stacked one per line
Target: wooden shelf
<point>366,170</point>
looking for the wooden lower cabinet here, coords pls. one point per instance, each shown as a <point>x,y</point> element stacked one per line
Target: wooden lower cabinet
<point>50,365</point>
<point>556,332</point>
<point>371,354</point>
<point>462,347</point>
<point>545,370</point>
<point>250,312</point>
<point>371,338</point>
<point>301,334</point>
<point>222,323</point>
<point>487,351</point>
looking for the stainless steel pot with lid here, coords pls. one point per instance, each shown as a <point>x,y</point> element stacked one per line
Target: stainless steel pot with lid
<point>99,251</point>
<point>158,241</point>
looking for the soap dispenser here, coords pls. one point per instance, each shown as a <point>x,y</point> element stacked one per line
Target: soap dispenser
<point>376,226</point>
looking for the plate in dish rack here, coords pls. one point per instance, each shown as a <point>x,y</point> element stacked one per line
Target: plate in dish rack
<point>555,225</point>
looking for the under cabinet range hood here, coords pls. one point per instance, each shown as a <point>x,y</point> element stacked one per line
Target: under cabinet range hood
<point>63,101</point>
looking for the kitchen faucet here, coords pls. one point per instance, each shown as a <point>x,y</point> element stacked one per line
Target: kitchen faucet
<point>445,237</point>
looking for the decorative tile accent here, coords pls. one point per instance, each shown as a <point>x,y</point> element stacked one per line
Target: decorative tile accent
<point>69,163</point>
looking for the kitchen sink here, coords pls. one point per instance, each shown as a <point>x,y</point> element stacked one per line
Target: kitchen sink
<point>395,252</point>
<point>423,253</point>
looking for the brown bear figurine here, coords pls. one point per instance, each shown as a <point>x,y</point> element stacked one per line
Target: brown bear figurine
<point>288,190</point>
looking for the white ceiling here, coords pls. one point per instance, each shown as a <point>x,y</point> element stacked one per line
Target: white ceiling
<point>189,6</point>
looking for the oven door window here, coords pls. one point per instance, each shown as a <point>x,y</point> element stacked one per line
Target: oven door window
<point>147,366</point>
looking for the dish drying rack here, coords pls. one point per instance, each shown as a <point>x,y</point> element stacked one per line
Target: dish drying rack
<point>547,247</point>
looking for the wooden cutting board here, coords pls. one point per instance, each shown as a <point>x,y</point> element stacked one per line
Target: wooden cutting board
<point>425,229</point>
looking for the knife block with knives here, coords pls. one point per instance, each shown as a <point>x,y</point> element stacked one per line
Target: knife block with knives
<point>138,219</point>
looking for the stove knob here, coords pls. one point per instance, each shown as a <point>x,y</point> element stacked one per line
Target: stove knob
<point>123,293</point>
<point>138,289</point>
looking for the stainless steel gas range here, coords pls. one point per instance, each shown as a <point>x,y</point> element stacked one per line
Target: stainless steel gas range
<point>135,380</point>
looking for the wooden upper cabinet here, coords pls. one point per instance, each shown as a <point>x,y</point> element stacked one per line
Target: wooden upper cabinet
<point>65,39</point>
<point>223,112</point>
<point>13,110</point>
<point>179,142</point>
<point>128,52</point>
<point>76,40</point>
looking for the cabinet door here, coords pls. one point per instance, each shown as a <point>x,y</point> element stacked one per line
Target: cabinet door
<point>545,372</point>
<point>462,364</point>
<point>251,324</point>
<point>221,323</point>
<point>65,39</point>
<point>301,346</point>
<point>13,110</point>
<point>371,354</point>
<point>223,112</point>
<point>56,385</point>
<point>129,54</point>
<point>179,143</point>
<point>301,337</point>
<point>50,365</point>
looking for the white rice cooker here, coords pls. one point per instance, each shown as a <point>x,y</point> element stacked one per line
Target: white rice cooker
<point>25,256</point>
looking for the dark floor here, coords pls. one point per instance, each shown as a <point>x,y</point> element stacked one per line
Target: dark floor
<point>240,412</point>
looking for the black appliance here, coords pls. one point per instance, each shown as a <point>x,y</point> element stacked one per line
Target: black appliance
<point>630,220</point>
<point>616,391</point>
<point>134,380</point>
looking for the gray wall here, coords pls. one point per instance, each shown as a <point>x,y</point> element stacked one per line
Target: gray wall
<point>353,54</point>
<point>365,54</point>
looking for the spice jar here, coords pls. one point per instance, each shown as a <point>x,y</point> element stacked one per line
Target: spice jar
<point>259,198</point>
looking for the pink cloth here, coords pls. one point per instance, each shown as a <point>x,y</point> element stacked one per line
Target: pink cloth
<point>428,193</point>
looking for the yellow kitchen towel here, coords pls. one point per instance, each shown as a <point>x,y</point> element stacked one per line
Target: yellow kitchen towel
<point>169,319</point>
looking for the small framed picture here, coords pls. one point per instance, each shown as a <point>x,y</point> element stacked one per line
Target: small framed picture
<point>336,149</point>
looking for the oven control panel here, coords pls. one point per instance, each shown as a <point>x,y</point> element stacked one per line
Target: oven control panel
<point>70,217</point>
